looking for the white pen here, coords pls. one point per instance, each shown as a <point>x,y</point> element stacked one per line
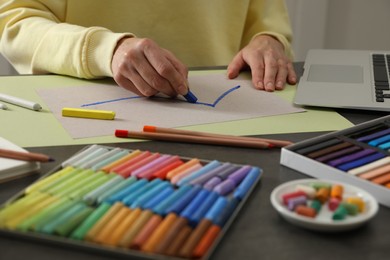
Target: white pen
<point>20,102</point>
<point>3,106</point>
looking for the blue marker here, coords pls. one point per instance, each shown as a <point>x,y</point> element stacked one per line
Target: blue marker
<point>190,97</point>
<point>247,183</point>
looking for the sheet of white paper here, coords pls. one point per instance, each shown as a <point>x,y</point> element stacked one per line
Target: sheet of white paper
<point>219,100</point>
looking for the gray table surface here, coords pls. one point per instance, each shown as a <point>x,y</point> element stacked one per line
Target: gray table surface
<point>258,232</point>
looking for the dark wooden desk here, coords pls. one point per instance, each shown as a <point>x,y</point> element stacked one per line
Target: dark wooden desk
<point>258,232</point>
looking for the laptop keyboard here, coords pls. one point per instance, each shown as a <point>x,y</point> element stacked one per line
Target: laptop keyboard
<point>381,66</point>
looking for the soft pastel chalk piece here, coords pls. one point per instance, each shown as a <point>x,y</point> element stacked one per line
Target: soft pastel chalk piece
<point>88,113</point>
<point>305,211</point>
<point>316,205</point>
<point>287,196</point>
<point>356,201</point>
<point>292,203</point>
<point>323,194</point>
<point>333,203</point>
<point>340,213</point>
<point>337,191</point>
<point>352,209</point>
<point>310,191</point>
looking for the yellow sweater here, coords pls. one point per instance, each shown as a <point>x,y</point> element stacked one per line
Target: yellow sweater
<point>77,37</point>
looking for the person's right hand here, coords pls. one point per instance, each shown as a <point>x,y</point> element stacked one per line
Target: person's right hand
<point>146,69</point>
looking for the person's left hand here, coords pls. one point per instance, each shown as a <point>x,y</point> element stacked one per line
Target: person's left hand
<point>270,66</point>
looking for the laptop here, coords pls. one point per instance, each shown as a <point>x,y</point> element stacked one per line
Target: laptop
<point>351,79</point>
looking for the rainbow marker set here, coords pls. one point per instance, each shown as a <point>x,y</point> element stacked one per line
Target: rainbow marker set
<point>132,203</point>
<point>359,155</point>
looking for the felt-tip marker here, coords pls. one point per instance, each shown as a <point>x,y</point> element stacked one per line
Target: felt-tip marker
<point>190,97</point>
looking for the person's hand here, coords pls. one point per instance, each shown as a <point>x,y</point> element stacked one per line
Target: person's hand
<point>146,69</point>
<point>270,67</point>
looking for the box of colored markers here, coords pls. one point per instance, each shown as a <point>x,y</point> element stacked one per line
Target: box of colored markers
<point>132,203</point>
<point>358,155</point>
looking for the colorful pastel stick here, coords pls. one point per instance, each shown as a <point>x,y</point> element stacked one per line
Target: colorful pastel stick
<point>380,140</point>
<point>133,158</point>
<point>126,172</point>
<point>384,146</point>
<point>223,169</point>
<point>91,197</point>
<point>50,227</point>
<point>162,173</point>
<point>162,245</point>
<point>338,154</point>
<point>329,150</point>
<point>208,167</point>
<point>113,158</point>
<point>102,157</point>
<point>212,233</point>
<point>158,234</point>
<point>178,170</point>
<point>161,208</point>
<point>89,157</point>
<point>148,173</point>
<point>232,181</point>
<point>203,208</point>
<point>126,232</point>
<point>144,170</point>
<point>145,232</point>
<point>178,241</point>
<point>212,183</point>
<point>199,231</point>
<point>93,184</point>
<point>66,227</point>
<point>148,195</point>
<point>375,172</point>
<point>374,135</point>
<point>127,157</point>
<point>193,206</point>
<point>98,225</point>
<point>351,157</point>
<point>113,190</point>
<point>78,156</point>
<point>184,173</point>
<point>104,233</point>
<point>318,146</point>
<point>360,162</point>
<point>248,182</point>
<point>370,166</point>
<point>156,200</point>
<point>47,180</point>
<point>80,232</point>
<point>130,198</point>
<point>118,196</point>
<point>183,201</point>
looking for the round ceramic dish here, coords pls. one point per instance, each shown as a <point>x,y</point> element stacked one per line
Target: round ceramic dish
<point>323,221</point>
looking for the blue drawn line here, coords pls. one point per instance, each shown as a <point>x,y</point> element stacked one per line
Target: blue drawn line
<point>109,101</point>
<point>198,103</point>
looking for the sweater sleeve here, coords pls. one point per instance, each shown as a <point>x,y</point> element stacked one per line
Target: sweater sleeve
<point>35,39</point>
<point>269,17</point>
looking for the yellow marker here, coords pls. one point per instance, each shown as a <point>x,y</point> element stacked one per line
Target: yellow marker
<point>88,113</point>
